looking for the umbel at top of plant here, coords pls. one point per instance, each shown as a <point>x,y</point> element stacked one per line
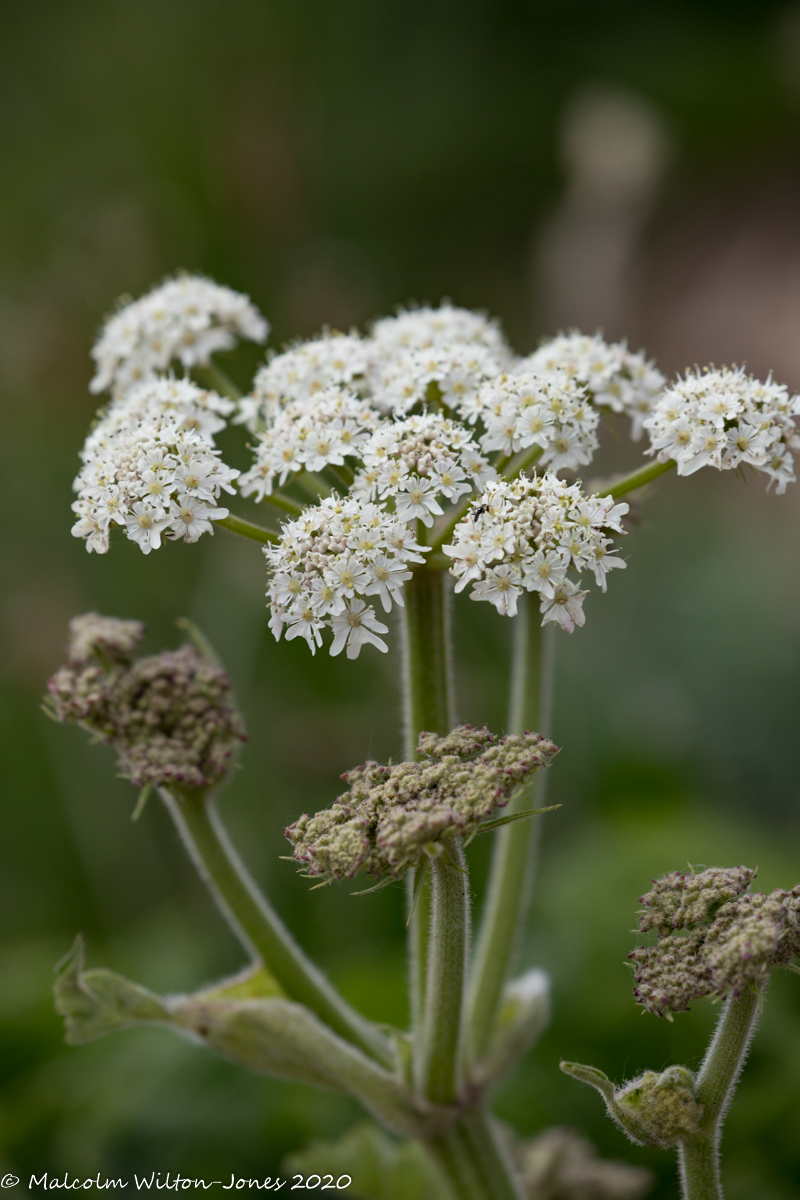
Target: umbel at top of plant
<point>423,432</point>
<point>393,815</point>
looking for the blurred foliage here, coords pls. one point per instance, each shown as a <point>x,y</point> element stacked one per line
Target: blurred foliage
<point>332,159</point>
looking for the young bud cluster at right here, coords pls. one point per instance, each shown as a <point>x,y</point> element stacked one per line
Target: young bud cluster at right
<point>714,937</point>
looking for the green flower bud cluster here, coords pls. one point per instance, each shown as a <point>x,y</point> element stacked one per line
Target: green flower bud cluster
<point>394,814</point>
<point>170,717</point>
<point>727,938</point>
<point>656,1109</point>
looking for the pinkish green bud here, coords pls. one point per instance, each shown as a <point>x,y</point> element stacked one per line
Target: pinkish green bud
<point>393,815</point>
<point>171,717</point>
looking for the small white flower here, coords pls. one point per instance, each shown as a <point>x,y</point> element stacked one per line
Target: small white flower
<point>356,627</point>
<point>190,517</point>
<point>565,606</point>
<point>388,577</point>
<point>145,523</point>
<point>502,587</point>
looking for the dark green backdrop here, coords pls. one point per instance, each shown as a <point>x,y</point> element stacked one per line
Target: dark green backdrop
<point>333,159</point>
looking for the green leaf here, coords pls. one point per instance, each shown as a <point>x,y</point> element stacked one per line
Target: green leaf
<point>94,1003</point>
<point>380,1167</point>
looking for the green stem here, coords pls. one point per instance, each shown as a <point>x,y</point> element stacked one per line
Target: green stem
<point>419,924</point>
<point>440,1047</point>
<point>714,1089</point>
<point>638,478</point>
<point>516,846</point>
<point>220,380</point>
<point>472,1160</point>
<point>276,500</point>
<point>698,1167</point>
<point>520,462</point>
<point>426,656</point>
<point>247,529</point>
<point>258,926</point>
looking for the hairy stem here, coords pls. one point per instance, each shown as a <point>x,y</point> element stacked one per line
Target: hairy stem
<point>515,848</point>
<point>714,1089</point>
<point>520,462</point>
<point>426,656</point>
<point>220,380</point>
<point>247,529</point>
<point>258,926</point>
<point>638,478</point>
<point>440,1048</point>
<point>472,1160</point>
<point>698,1166</point>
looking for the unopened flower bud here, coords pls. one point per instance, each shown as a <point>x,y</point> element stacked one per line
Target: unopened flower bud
<point>106,639</point>
<point>713,938</point>
<point>654,1109</point>
<point>170,717</point>
<point>393,815</point>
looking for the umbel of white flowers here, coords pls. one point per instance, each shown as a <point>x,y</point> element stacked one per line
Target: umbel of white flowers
<point>416,422</point>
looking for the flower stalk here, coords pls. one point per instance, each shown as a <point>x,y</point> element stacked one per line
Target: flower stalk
<point>440,1044</point>
<point>715,1085</point>
<point>637,479</point>
<point>258,926</point>
<point>427,670</point>
<point>472,1160</point>
<point>516,845</point>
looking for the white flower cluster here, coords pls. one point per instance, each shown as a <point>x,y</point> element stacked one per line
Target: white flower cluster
<point>726,419</point>
<point>301,372</point>
<point>451,375</point>
<point>418,461</point>
<point>614,377</point>
<point>550,411</point>
<point>526,536</point>
<point>326,562</point>
<point>447,325</point>
<point>309,435</point>
<point>188,318</point>
<point>150,466</point>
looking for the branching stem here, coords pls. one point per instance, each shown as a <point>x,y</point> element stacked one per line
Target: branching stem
<point>638,478</point>
<point>248,529</point>
<point>258,926</point>
<point>514,857</point>
<point>714,1089</point>
<point>440,1047</point>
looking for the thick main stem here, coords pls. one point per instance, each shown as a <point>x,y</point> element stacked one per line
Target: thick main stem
<point>258,926</point>
<point>714,1089</point>
<point>513,860</point>
<point>472,1160</point>
<point>426,656</point>
<point>439,1050</point>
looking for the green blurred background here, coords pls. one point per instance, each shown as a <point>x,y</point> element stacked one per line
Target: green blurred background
<point>590,162</point>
